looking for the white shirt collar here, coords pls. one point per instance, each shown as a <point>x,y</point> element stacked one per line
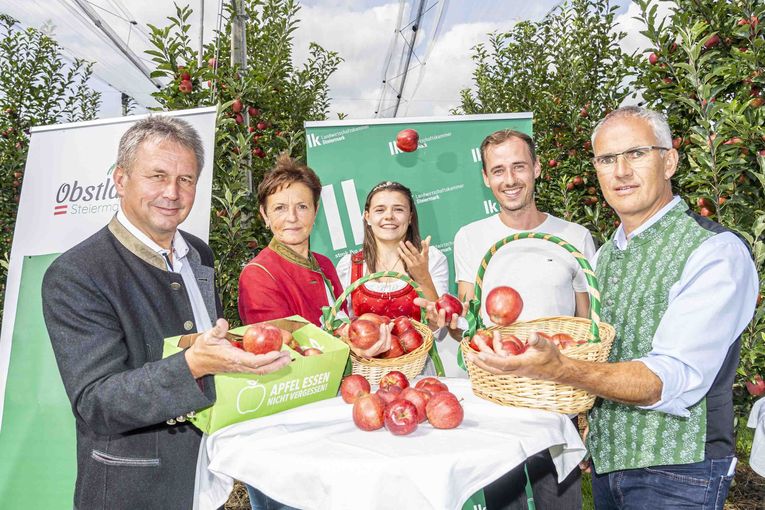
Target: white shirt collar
<point>180,248</point>
<point>621,240</point>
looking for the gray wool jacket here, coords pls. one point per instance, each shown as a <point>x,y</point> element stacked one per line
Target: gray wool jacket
<point>108,304</point>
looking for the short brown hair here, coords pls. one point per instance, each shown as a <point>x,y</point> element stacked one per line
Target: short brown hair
<point>288,171</point>
<point>503,135</point>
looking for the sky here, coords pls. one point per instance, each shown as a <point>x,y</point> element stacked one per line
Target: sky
<point>361,31</point>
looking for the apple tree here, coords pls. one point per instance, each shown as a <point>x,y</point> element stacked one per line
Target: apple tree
<point>704,70</point>
<point>38,86</point>
<point>569,70</point>
<point>261,114</point>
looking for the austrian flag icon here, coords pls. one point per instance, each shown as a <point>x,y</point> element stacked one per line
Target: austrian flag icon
<point>59,209</point>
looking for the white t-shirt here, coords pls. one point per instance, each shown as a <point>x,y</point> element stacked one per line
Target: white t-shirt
<point>546,275</point>
<point>437,265</point>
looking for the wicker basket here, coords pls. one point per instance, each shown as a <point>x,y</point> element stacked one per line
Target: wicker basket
<point>518,391</point>
<point>373,369</point>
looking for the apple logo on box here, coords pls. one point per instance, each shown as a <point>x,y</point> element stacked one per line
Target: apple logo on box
<point>251,397</point>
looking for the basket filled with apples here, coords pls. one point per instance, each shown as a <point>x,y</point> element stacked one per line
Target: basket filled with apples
<point>576,337</point>
<point>411,340</point>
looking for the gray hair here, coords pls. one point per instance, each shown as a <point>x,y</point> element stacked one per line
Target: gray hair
<point>159,129</point>
<point>658,122</point>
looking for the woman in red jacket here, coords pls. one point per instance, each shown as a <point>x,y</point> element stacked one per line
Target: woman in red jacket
<point>286,278</point>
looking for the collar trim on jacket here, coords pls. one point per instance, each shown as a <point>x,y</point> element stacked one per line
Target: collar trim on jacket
<point>135,246</point>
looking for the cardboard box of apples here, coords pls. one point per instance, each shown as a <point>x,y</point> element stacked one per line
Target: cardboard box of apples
<point>315,373</point>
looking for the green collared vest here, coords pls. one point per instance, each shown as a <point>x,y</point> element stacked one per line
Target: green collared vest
<point>635,290</point>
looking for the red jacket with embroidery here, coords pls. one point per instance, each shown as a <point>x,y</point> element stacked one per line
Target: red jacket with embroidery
<point>391,304</point>
<point>276,288</point>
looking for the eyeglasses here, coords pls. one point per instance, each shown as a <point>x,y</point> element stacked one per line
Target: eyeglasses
<point>634,157</point>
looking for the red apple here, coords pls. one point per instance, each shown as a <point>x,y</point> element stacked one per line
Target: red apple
<point>407,139</point>
<point>653,58</point>
<point>289,340</point>
<point>756,387</point>
<point>712,41</point>
<point>410,340</point>
<point>262,338</point>
<point>504,305</point>
<point>552,163</point>
<point>401,417</point>
<point>419,398</point>
<point>563,340</point>
<point>363,333</point>
<point>261,125</point>
<point>311,351</point>
<point>353,387</point>
<point>388,394</point>
<point>487,337</point>
<point>449,303</point>
<point>213,63</point>
<point>444,411</point>
<point>342,330</point>
<point>368,412</point>
<point>578,181</point>
<point>395,349</point>
<point>374,317</point>
<point>254,112</point>
<point>185,86</point>
<point>394,378</point>
<point>401,324</point>
<point>236,106</point>
<point>431,385</point>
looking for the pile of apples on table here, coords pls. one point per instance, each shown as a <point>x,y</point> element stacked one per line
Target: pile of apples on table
<point>364,331</point>
<point>400,407</point>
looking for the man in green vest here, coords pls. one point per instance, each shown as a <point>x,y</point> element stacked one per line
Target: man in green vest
<point>679,289</point>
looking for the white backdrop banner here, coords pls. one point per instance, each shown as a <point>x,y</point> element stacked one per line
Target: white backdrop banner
<point>68,194</point>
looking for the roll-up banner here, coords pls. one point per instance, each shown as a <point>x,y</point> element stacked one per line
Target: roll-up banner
<point>444,174</point>
<point>68,194</point>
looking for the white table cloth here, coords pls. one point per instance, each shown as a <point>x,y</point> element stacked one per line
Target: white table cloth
<point>757,422</point>
<point>314,457</point>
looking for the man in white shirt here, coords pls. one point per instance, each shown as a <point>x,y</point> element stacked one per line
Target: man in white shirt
<point>547,277</point>
<point>108,304</point>
<point>679,290</point>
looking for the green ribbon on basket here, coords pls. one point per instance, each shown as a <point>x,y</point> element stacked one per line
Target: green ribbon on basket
<point>330,322</point>
<point>473,314</point>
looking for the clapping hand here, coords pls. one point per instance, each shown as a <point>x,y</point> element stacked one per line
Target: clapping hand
<point>416,259</point>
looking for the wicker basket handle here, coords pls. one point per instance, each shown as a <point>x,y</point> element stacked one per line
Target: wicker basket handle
<point>474,308</point>
<point>329,313</point>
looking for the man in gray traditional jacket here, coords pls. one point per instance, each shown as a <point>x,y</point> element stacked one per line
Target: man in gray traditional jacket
<point>108,304</point>
<point>679,289</point>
